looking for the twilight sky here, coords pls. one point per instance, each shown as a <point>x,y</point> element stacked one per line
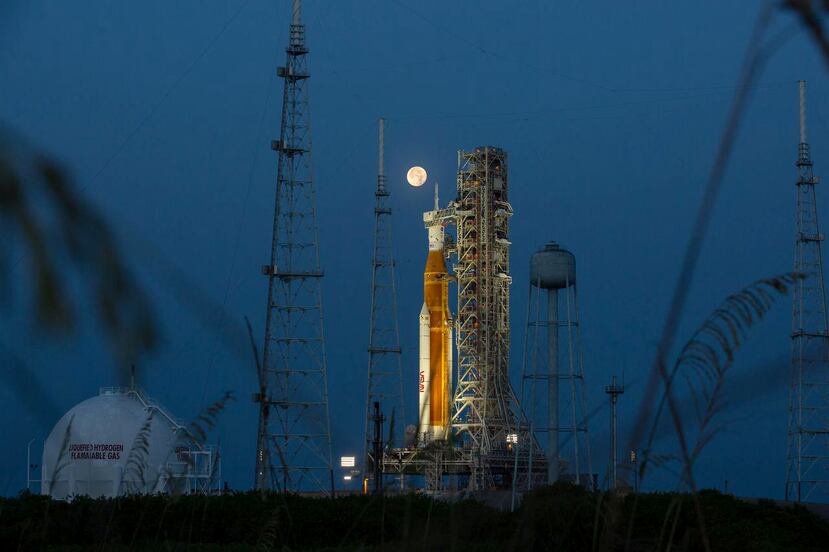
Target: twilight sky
<point>610,112</point>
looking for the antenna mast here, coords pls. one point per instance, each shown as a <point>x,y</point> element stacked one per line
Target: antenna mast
<point>293,448</point>
<point>807,458</point>
<point>613,391</point>
<point>385,382</point>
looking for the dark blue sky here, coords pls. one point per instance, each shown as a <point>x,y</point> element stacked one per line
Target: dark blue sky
<point>610,112</point>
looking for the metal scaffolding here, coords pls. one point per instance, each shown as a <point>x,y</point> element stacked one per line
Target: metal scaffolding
<point>485,411</point>
<point>385,382</point>
<point>807,459</point>
<point>294,437</point>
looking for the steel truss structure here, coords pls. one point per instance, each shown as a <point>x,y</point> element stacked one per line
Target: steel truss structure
<point>807,459</point>
<point>385,381</point>
<point>294,437</point>
<point>485,412</point>
<point>437,460</point>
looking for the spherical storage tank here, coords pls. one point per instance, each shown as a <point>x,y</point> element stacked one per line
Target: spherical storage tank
<point>116,443</point>
<point>552,267</point>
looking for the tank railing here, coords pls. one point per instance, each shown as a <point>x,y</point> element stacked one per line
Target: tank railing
<point>113,390</point>
<point>145,400</point>
<point>199,470</point>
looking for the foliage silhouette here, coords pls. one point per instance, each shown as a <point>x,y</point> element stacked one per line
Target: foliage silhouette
<point>62,234</point>
<point>134,480</point>
<point>561,517</point>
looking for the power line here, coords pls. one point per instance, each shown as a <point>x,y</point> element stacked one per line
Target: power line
<point>154,108</point>
<point>498,55</point>
<point>137,128</point>
<point>255,156</point>
<point>541,112</point>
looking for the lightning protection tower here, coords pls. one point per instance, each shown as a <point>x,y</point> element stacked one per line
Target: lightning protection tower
<point>807,477</point>
<point>385,382</point>
<point>293,449</point>
<point>552,381</point>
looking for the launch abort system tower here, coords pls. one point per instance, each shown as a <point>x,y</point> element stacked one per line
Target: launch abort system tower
<point>293,447</point>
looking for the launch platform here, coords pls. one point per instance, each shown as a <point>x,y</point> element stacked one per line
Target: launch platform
<point>472,433</point>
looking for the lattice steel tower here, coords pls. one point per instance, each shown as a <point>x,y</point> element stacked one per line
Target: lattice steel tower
<point>385,382</point>
<point>485,411</point>
<point>294,438</point>
<point>807,477</point>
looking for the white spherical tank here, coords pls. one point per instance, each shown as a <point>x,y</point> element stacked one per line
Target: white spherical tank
<point>552,267</point>
<point>115,443</point>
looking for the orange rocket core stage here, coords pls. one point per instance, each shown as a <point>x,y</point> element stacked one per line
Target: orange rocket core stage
<point>436,297</point>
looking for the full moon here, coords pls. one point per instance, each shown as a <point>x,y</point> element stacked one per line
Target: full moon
<point>416,176</point>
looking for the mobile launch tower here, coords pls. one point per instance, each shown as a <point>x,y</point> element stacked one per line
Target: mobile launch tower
<point>485,411</point>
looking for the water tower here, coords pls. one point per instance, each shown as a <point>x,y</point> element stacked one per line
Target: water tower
<point>552,372</point>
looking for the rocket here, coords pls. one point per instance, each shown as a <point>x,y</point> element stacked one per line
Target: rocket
<point>435,370</point>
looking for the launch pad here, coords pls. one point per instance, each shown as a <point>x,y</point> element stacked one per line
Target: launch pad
<point>444,466</point>
<point>482,442</point>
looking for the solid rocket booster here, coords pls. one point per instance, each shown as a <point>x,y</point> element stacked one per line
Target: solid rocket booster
<point>424,376</point>
<point>435,373</point>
